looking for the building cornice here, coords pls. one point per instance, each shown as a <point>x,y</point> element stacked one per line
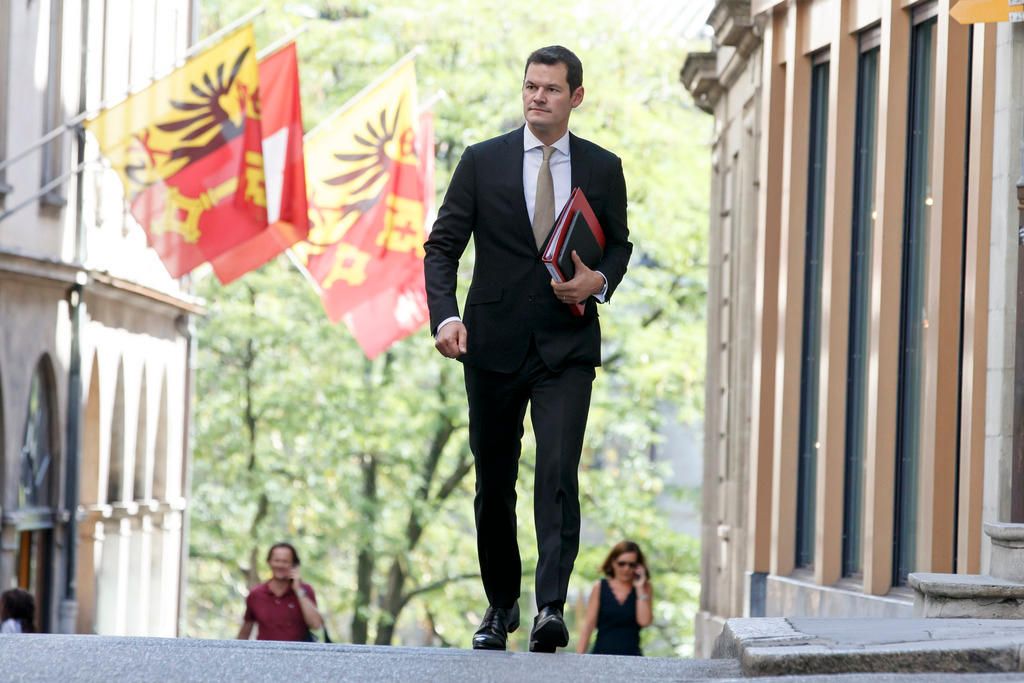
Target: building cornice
<point>63,274</point>
<point>699,76</point>
<point>732,22</point>
<point>707,75</point>
<point>120,288</point>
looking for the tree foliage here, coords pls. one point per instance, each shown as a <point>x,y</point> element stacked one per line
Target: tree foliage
<point>365,465</point>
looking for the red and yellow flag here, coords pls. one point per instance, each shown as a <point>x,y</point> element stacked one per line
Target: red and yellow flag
<point>188,152</point>
<point>281,122</point>
<point>396,313</point>
<point>366,197</point>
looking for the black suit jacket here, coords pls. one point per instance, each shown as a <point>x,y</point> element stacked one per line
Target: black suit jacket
<point>510,298</point>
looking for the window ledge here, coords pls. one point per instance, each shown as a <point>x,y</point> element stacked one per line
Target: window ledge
<point>53,199</point>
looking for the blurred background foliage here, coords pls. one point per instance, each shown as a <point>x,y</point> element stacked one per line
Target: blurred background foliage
<point>365,465</point>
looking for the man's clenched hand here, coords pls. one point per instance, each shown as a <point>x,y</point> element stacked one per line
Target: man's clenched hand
<point>451,339</point>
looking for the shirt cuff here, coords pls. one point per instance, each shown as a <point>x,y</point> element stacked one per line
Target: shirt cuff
<point>453,319</point>
<point>600,296</point>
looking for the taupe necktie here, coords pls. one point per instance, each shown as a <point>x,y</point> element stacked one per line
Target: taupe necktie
<point>544,204</point>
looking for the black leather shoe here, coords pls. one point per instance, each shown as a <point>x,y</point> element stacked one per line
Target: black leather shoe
<point>494,629</point>
<point>549,631</point>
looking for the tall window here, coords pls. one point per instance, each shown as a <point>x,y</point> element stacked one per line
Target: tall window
<point>5,41</point>
<point>913,317</point>
<point>860,289</point>
<point>811,342</point>
<point>53,111</point>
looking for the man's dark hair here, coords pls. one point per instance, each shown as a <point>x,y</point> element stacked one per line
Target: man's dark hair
<point>283,544</point>
<point>555,54</point>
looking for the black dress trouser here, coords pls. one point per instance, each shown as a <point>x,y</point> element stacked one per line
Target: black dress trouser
<point>559,403</point>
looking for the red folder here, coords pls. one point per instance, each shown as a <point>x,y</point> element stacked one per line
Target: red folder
<point>556,249</point>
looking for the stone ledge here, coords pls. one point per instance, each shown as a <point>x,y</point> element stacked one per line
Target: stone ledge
<point>800,646</point>
<point>965,586</point>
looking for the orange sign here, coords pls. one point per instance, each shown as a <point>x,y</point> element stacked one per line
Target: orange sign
<point>984,11</point>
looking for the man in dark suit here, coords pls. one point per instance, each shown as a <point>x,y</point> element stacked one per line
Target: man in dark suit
<point>518,339</point>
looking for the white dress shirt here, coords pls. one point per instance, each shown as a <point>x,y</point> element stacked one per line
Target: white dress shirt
<point>561,170</point>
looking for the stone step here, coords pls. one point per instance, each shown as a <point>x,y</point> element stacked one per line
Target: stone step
<point>973,596</point>
<point>797,646</point>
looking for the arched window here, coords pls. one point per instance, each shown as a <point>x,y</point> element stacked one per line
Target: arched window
<point>35,516</point>
<point>143,477</point>
<point>115,472</point>
<point>34,486</point>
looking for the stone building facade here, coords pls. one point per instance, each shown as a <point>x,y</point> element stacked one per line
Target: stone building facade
<point>861,315</point>
<point>95,341</point>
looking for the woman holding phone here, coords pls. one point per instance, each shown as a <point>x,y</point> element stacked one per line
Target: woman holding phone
<point>619,604</point>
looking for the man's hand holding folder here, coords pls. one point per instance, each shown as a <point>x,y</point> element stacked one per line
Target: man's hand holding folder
<point>584,283</point>
<point>573,248</point>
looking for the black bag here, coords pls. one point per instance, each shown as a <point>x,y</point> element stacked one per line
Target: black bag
<point>311,637</point>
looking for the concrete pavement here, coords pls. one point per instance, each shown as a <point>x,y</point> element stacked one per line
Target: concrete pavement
<point>102,658</point>
<point>804,650</point>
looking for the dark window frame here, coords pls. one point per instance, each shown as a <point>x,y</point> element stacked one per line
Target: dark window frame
<point>52,160</point>
<point>912,291</point>
<point>810,348</point>
<point>862,224</point>
<point>5,75</point>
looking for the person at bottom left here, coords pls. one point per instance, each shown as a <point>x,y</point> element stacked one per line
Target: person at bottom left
<point>283,608</point>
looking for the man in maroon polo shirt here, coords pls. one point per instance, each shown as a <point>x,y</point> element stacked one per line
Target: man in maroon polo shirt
<point>283,608</point>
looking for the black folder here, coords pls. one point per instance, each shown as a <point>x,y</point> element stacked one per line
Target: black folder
<point>580,239</point>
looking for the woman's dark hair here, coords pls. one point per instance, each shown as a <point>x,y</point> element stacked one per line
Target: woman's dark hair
<point>555,54</point>
<point>620,548</point>
<point>19,604</point>
<point>283,544</point>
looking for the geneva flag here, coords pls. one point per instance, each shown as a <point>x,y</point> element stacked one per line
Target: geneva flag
<point>365,198</point>
<point>398,312</point>
<point>188,152</point>
<point>281,121</point>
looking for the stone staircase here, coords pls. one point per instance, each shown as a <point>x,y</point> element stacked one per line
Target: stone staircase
<point>999,595</point>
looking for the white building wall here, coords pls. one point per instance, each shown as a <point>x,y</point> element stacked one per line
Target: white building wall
<point>133,345</point>
<point>1007,168</point>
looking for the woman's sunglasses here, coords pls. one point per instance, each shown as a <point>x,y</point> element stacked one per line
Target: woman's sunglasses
<point>623,563</point>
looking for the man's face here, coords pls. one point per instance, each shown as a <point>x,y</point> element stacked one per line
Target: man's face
<point>280,562</point>
<point>547,101</point>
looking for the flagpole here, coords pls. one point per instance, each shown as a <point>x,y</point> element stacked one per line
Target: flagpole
<point>278,44</point>
<point>297,262</point>
<point>81,116</point>
<point>428,104</point>
<point>231,26</point>
<point>409,56</point>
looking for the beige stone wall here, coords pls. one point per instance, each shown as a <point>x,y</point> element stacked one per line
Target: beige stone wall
<point>757,85</point>
<point>132,343</point>
<point>732,275</point>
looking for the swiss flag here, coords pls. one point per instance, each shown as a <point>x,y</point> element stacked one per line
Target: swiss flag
<point>283,165</point>
<point>395,313</point>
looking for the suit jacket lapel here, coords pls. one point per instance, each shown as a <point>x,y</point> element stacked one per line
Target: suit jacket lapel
<point>512,167</point>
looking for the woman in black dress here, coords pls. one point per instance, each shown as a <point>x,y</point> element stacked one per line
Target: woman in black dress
<point>619,605</point>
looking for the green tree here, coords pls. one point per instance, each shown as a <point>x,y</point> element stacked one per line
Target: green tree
<point>366,464</point>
